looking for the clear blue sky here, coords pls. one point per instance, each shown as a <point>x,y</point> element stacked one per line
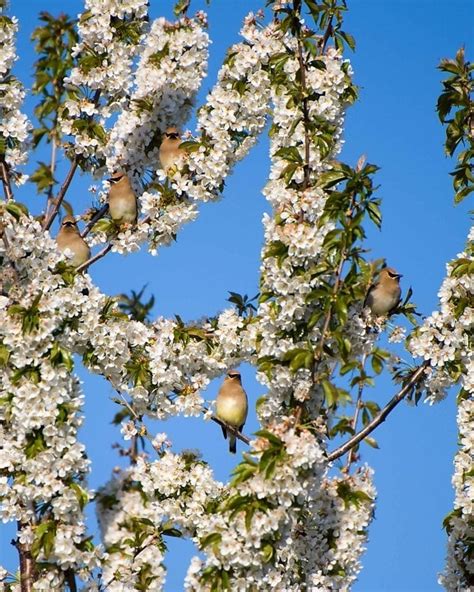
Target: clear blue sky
<point>399,44</point>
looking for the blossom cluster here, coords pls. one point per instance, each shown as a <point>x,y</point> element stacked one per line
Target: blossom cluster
<point>287,524</point>
<point>172,65</point>
<point>14,125</point>
<point>233,116</point>
<point>459,568</point>
<point>142,505</point>
<point>445,337</point>
<point>110,31</point>
<point>228,126</point>
<point>445,340</point>
<point>46,316</point>
<point>43,466</point>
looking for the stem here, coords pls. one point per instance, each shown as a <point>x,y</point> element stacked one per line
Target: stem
<point>65,186</point>
<point>381,417</point>
<point>62,192</point>
<point>95,258</point>
<point>97,216</point>
<point>7,188</point>
<point>360,390</point>
<point>27,565</point>
<point>304,103</point>
<point>327,34</point>
<point>71,580</point>
<point>52,168</point>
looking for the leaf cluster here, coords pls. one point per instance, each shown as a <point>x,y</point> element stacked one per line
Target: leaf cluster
<point>456,110</point>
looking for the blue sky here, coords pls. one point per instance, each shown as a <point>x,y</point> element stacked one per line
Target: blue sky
<point>399,44</point>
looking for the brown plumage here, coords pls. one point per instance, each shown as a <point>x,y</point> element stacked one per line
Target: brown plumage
<point>170,152</point>
<point>69,238</point>
<point>122,199</point>
<point>232,405</point>
<point>384,296</point>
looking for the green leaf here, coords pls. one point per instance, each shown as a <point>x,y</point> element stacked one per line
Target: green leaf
<point>81,494</point>
<point>270,436</point>
<point>190,146</point>
<point>371,442</point>
<point>268,552</point>
<point>210,539</point>
<point>16,209</point>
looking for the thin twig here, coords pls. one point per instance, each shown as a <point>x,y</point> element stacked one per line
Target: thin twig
<point>304,103</point>
<point>380,418</point>
<point>355,419</point>
<point>52,168</point>
<point>327,34</point>
<point>7,188</point>
<point>62,192</point>
<point>97,216</point>
<point>65,186</point>
<point>95,258</point>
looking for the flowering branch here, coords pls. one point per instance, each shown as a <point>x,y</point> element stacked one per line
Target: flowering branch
<point>381,417</point>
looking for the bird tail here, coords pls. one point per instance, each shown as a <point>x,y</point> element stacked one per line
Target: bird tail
<point>232,444</point>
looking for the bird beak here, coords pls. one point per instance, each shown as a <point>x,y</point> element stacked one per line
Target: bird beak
<point>399,275</point>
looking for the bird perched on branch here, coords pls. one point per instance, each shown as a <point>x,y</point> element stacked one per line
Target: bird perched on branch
<point>232,406</point>
<point>70,238</point>
<point>383,297</point>
<point>122,199</point>
<point>170,152</point>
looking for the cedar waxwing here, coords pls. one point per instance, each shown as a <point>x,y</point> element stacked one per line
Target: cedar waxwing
<point>69,237</point>
<point>170,151</point>
<point>232,405</point>
<point>384,296</point>
<point>122,199</point>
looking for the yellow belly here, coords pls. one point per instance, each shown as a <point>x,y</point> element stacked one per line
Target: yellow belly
<point>231,410</point>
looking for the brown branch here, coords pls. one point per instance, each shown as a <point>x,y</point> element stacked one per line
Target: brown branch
<point>327,34</point>
<point>230,428</point>
<point>380,418</point>
<point>62,192</point>
<point>304,104</point>
<point>7,188</point>
<point>95,258</point>
<point>65,186</point>
<point>71,580</point>
<point>97,216</point>
<point>28,573</point>
<point>355,419</point>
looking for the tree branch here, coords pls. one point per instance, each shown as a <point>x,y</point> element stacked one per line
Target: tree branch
<point>65,186</point>
<point>230,428</point>
<point>380,418</point>
<point>97,216</point>
<point>71,580</point>
<point>62,192</point>
<point>7,188</point>
<point>27,564</point>
<point>95,258</point>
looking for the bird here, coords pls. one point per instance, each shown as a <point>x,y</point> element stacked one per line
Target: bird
<point>170,152</point>
<point>122,199</point>
<point>232,406</point>
<point>70,238</point>
<point>383,297</point>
